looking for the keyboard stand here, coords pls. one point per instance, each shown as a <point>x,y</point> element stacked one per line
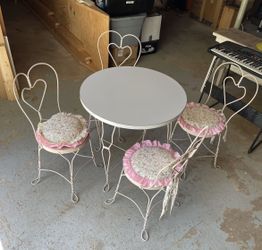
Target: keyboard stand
<point>249,113</point>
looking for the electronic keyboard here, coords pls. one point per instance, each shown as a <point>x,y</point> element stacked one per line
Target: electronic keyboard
<point>247,58</point>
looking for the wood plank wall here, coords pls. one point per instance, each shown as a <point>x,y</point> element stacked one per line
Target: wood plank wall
<point>76,26</point>
<point>6,71</point>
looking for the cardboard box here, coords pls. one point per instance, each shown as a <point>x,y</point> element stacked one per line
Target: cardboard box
<point>208,11</point>
<point>120,55</point>
<point>228,17</point>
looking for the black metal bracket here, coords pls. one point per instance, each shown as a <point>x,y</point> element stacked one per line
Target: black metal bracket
<point>255,143</point>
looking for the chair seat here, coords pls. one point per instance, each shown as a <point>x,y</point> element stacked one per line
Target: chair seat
<point>62,131</point>
<point>197,116</point>
<point>143,161</point>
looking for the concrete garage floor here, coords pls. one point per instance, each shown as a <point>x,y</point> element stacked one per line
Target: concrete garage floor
<point>221,208</point>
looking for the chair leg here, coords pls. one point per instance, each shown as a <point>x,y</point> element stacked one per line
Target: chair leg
<point>143,134</point>
<point>74,197</point>
<point>121,139</point>
<point>173,131</point>
<point>37,180</point>
<point>217,150</point>
<point>149,207</point>
<point>92,153</point>
<point>144,232</point>
<point>168,132</point>
<point>99,135</point>
<point>112,200</point>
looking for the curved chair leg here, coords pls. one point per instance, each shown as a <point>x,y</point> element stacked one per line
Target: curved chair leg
<point>106,162</point>
<point>35,181</point>
<point>112,200</point>
<point>149,207</point>
<point>143,134</point>
<point>217,150</point>
<point>99,135</point>
<point>92,153</point>
<point>173,131</point>
<point>169,131</point>
<point>74,197</point>
<point>121,139</point>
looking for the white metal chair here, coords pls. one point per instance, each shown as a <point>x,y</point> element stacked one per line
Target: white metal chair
<point>120,44</point>
<point>62,134</point>
<point>198,115</point>
<point>150,165</point>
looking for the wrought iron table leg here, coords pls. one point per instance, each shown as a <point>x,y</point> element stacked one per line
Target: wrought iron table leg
<point>256,142</point>
<point>108,148</point>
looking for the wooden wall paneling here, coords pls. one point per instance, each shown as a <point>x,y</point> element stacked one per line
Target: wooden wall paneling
<point>87,27</point>
<point>2,23</point>
<point>202,10</point>
<point>196,8</point>
<point>218,12</point>
<point>7,76</point>
<point>76,26</point>
<point>2,86</point>
<point>228,17</point>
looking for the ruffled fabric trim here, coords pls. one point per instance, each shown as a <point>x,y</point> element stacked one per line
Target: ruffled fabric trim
<point>78,137</point>
<point>43,141</point>
<point>194,130</point>
<point>144,181</point>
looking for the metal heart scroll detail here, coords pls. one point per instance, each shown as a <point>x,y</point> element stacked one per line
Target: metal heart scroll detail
<point>37,108</point>
<point>111,45</point>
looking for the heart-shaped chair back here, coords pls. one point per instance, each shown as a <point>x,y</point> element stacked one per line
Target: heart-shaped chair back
<point>236,83</point>
<point>30,86</point>
<point>125,50</point>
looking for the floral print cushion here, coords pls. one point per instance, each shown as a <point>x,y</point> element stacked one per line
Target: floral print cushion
<point>62,130</point>
<point>196,116</point>
<point>143,162</point>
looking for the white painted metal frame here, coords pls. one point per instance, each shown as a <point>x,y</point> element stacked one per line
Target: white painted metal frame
<point>105,145</point>
<point>170,191</point>
<point>100,125</point>
<point>99,96</point>
<point>243,75</point>
<point>119,46</point>
<point>61,152</point>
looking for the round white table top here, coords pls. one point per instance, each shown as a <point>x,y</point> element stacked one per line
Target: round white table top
<point>132,97</point>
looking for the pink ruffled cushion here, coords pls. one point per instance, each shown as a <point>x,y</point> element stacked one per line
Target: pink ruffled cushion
<point>62,130</point>
<point>143,161</point>
<point>196,116</point>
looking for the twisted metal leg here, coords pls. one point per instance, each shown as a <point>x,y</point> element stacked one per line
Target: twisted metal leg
<point>149,207</point>
<point>217,150</point>
<point>170,139</point>
<point>121,139</point>
<point>173,131</point>
<point>112,200</point>
<point>168,132</point>
<point>92,153</point>
<point>35,181</point>
<point>108,148</point>
<point>74,197</point>
<point>99,135</point>
<point>143,134</point>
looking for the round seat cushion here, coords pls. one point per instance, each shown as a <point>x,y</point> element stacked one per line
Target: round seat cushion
<point>197,116</point>
<point>143,162</point>
<point>62,130</point>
